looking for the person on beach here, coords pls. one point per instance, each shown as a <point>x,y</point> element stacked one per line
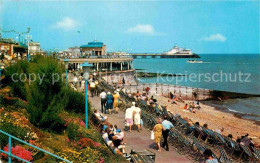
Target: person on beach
<point>150,101</point>
<point>137,94</point>
<point>209,158</point>
<point>144,97</point>
<point>115,103</point>
<point>129,118</point>
<point>171,95</point>
<point>219,130</point>
<point>204,132</point>
<point>110,100</point>
<point>123,81</point>
<point>158,133</point>
<point>137,116</point>
<point>103,96</point>
<point>147,89</point>
<point>167,126</point>
<point>186,107</point>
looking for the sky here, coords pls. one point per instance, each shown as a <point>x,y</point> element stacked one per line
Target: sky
<point>205,27</point>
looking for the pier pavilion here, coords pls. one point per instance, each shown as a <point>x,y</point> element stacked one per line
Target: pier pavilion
<point>93,48</point>
<point>103,63</point>
<point>95,54</point>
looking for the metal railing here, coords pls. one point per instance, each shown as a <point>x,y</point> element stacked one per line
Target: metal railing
<point>187,93</point>
<point>97,57</point>
<point>10,155</point>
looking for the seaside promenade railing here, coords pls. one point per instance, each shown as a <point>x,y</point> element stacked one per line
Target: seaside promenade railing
<point>97,57</point>
<point>10,155</point>
<point>186,93</point>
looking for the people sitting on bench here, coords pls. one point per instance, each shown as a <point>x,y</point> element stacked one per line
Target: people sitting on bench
<point>100,116</point>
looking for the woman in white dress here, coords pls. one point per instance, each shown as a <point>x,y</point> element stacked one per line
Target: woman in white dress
<point>137,116</point>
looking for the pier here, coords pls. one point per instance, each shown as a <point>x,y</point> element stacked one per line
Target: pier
<point>160,55</point>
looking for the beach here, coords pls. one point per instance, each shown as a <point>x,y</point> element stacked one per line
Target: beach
<point>215,119</point>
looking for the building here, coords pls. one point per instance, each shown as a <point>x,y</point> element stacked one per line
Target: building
<point>95,53</point>
<point>34,47</point>
<point>8,47</point>
<point>93,48</point>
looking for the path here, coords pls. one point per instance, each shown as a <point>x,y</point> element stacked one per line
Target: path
<point>140,141</point>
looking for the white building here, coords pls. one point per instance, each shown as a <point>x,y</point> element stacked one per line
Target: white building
<point>34,47</point>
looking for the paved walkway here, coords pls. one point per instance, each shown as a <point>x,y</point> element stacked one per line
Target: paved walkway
<point>140,141</point>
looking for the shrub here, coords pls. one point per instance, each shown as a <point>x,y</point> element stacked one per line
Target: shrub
<point>73,131</point>
<point>74,101</point>
<point>18,87</point>
<point>86,142</point>
<point>14,130</point>
<point>19,152</point>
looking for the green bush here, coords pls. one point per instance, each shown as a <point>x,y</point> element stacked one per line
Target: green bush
<point>46,99</point>
<point>14,130</point>
<point>12,74</point>
<point>20,104</point>
<point>73,131</point>
<point>75,101</point>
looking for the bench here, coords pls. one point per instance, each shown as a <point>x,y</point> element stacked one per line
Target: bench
<point>142,156</point>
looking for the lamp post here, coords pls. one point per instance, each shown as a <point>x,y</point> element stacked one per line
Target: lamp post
<point>28,38</point>
<point>86,69</point>
<point>66,61</point>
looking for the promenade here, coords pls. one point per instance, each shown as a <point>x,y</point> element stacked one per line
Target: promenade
<point>140,141</point>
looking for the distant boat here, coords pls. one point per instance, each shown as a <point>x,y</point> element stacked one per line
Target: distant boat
<point>179,52</point>
<point>194,61</point>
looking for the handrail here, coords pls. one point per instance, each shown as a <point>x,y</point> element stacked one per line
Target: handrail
<point>9,153</point>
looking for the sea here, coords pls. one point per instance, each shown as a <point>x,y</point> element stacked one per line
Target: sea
<point>226,72</point>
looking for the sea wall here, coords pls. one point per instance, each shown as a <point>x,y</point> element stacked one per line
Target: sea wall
<point>187,93</point>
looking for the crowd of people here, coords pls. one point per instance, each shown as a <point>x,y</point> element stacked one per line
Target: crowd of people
<point>162,128</point>
<point>109,102</point>
<point>112,135</point>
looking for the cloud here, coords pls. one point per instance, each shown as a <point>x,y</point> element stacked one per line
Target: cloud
<point>66,23</point>
<point>144,29</point>
<point>215,37</point>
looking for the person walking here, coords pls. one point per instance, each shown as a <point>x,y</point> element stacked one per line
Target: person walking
<point>167,126</point>
<point>97,87</point>
<point>137,116</point>
<point>158,133</point>
<point>123,81</point>
<point>115,103</point>
<point>129,118</point>
<point>103,97</point>
<point>110,100</point>
<point>92,87</point>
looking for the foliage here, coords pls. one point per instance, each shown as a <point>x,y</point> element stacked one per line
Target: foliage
<point>75,101</point>
<point>13,73</point>
<point>19,152</point>
<point>73,131</point>
<point>46,97</point>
